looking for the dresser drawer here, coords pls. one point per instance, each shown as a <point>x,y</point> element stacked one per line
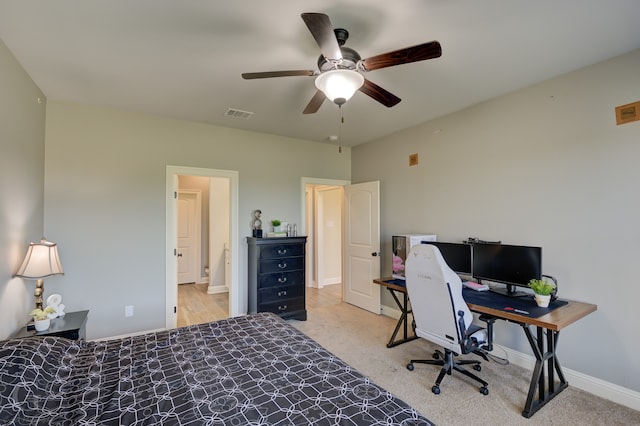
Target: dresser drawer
<point>281,265</point>
<point>281,250</point>
<point>283,307</point>
<point>281,279</point>
<point>275,294</point>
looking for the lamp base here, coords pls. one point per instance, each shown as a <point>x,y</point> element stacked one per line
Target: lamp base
<point>39,292</point>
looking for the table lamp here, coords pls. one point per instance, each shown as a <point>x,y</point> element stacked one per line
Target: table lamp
<point>40,261</point>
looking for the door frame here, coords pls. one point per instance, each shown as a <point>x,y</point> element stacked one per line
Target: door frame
<point>171,237</point>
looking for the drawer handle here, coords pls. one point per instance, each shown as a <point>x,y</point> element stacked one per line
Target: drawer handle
<point>282,265</point>
<point>282,293</point>
<point>282,280</point>
<point>282,251</point>
<point>282,308</point>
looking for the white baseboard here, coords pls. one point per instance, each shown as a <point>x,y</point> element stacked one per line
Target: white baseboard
<point>215,289</point>
<point>390,312</point>
<point>593,385</point>
<point>603,389</point>
<point>330,281</point>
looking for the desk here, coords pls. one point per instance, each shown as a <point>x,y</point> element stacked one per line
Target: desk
<point>403,321</point>
<point>544,347</point>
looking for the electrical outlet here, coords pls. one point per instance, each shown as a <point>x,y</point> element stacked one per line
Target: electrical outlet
<point>128,311</point>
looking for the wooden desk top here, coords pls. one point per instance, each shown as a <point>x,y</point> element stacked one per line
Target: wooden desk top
<point>385,282</point>
<point>555,320</point>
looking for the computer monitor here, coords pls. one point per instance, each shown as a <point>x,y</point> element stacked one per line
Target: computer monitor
<point>457,255</point>
<point>507,264</point>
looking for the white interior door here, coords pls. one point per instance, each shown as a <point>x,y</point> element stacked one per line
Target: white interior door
<point>362,245</point>
<point>188,236</point>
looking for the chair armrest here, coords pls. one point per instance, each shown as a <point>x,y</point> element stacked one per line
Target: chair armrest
<point>489,320</point>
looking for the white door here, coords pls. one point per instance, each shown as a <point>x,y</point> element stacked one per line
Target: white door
<point>188,236</point>
<point>362,245</point>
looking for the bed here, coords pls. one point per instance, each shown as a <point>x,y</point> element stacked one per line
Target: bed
<point>250,370</point>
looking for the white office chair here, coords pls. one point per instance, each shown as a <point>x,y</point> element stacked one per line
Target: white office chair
<point>441,314</point>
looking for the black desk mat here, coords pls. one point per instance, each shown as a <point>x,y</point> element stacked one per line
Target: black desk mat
<point>524,306</point>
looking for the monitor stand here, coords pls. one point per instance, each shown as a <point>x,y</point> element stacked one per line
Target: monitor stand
<point>510,291</point>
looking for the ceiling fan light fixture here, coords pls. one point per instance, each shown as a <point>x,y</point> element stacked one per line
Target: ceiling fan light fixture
<point>339,85</point>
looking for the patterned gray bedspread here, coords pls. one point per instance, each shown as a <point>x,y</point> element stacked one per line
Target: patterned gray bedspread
<point>251,370</point>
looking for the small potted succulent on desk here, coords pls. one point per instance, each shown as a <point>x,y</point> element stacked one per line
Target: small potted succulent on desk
<point>41,318</point>
<point>543,290</point>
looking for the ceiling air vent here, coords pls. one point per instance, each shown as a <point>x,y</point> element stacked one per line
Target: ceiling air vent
<point>237,113</point>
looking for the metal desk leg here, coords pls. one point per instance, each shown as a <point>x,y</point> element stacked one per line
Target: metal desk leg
<point>547,389</point>
<point>403,321</point>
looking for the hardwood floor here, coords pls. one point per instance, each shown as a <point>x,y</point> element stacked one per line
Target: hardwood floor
<point>195,306</point>
<point>327,296</point>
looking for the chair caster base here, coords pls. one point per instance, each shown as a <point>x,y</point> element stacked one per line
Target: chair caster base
<point>436,390</point>
<point>410,366</point>
<point>484,390</point>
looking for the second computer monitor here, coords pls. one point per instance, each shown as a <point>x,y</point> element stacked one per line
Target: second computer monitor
<point>511,265</point>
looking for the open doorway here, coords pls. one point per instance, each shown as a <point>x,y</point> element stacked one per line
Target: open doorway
<point>211,292</point>
<point>323,214</point>
<point>203,241</point>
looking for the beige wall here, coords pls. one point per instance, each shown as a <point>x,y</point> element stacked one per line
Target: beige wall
<point>22,120</point>
<point>330,268</point>
<point>220,228</point>
<point>105,200</point>
<point>545,166</point>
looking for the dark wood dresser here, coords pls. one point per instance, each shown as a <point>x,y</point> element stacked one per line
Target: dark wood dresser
<point>276,276</point>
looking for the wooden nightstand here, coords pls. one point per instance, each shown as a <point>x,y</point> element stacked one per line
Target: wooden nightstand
<point>72,326</point>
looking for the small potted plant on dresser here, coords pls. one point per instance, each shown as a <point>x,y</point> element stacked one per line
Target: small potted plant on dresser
<point>276,225</point>
<point>41,318</point>
<point>543,290</point>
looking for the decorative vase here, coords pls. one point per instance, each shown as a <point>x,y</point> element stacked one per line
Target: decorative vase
<point>42,325</point>
<point>543,300</point>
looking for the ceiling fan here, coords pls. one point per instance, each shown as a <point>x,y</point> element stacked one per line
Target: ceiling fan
<point>340,68</point>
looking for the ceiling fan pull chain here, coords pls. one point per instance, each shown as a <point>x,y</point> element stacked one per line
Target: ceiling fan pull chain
<point>340,130</point>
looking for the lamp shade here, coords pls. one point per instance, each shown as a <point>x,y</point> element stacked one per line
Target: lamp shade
<point>339,85</point>
<point>40,261</point>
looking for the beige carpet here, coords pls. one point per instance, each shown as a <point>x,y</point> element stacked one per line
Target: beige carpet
<point>360,337</point>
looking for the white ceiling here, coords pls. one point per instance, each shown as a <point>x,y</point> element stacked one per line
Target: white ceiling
<point>183,59</point>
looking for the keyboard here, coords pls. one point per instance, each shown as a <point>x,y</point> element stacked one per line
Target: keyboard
<point>475,286</point>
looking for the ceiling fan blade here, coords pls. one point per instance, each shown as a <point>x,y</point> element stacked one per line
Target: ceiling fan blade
<point>381,95</point>
<point>314,103</point>
<point>270,74</point>
<point>322,31</point>
<point>407,55</point>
